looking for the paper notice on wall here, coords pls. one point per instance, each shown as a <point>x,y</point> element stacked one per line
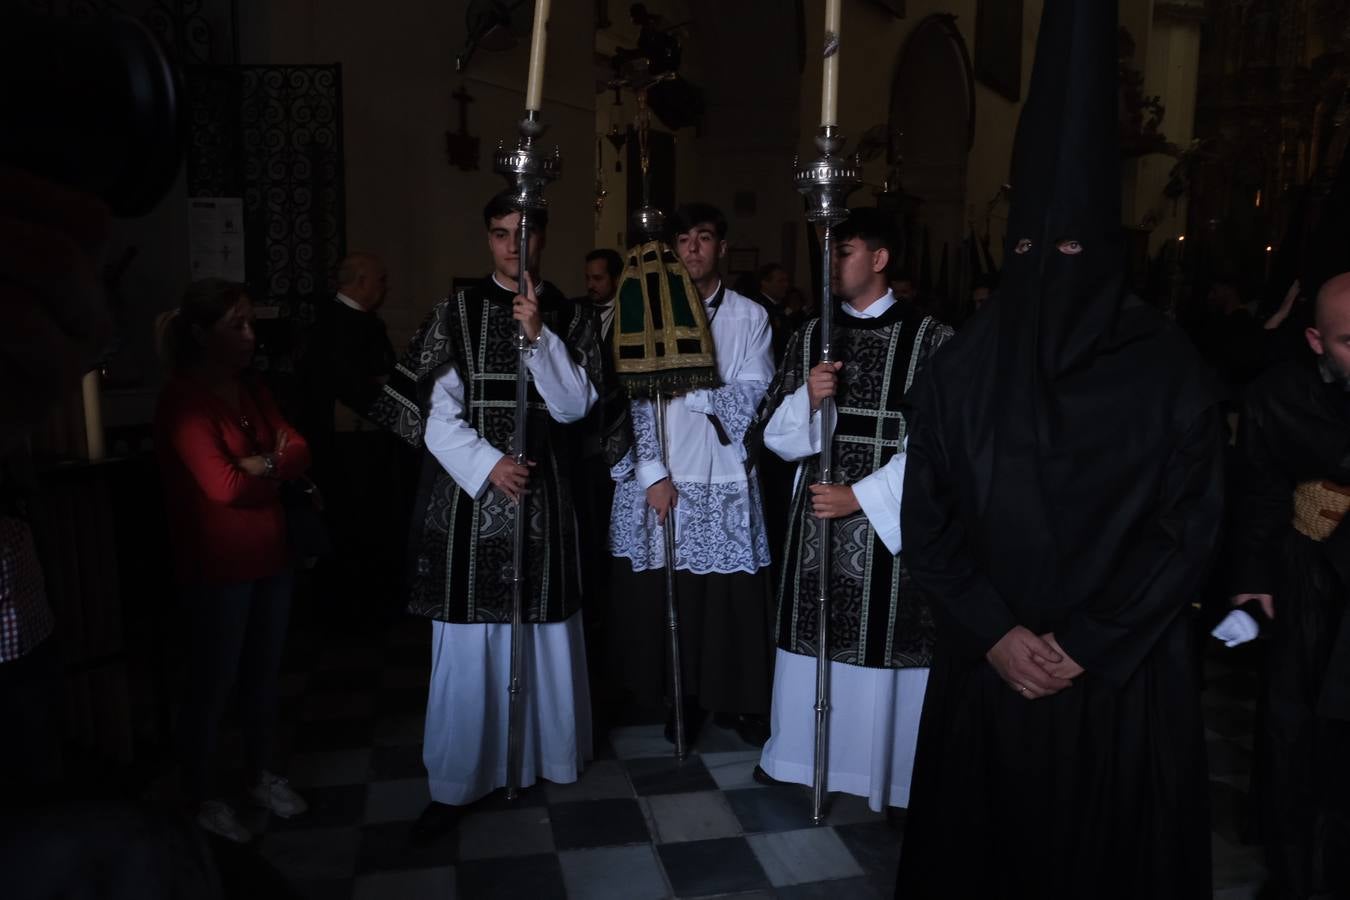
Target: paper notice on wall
<point>216,237</point>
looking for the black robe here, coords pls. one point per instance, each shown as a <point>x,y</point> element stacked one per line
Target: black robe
<point>1295,429</point>
<point>1064,475</point>
<point>462,546</point>
<point>1098,791</point>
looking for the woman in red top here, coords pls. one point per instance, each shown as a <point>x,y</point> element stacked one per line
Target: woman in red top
<point>224,452</point>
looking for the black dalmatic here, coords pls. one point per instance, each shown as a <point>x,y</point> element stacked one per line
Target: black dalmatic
<point>876,618</point>
<point>462,546</point>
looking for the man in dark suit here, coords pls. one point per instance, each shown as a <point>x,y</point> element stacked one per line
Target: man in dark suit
<point>773,289</point>
<point>358,468</point>
<point>594,489</point>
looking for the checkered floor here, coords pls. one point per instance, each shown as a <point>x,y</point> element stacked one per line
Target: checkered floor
<point>636,825</point>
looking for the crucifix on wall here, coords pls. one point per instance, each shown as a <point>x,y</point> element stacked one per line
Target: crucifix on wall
<point>461,147</point>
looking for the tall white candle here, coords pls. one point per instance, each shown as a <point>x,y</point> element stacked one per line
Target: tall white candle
<point>534,88</point>
<point>92,391</point>
<point>829,90</point>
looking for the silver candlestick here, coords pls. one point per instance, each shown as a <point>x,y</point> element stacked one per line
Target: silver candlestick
<point>528,172</point>
<point>826,183</point>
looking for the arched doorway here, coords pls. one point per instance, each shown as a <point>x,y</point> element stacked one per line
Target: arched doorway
<point>933,116</point>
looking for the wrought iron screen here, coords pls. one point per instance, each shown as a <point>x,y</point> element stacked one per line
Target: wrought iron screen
<point>273,136</point>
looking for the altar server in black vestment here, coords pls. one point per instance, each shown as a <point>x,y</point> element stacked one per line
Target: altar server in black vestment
<point>881,633</point>
<point>1062,498</point>
<point>453,395</point>
<point>1291,551</point>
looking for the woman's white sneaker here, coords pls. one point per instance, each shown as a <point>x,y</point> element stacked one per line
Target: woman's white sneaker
<point>275,793</point>
<point>217,817</point>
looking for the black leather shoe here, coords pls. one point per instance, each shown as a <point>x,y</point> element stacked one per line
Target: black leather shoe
<point>765,778</point>
<point>754,730</point>
<point>436,821</point>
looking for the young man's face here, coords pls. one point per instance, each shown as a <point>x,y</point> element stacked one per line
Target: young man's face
<point>504,242</point>
<point>858,270</point>
<point>699,250</point>
<point>600,285</point>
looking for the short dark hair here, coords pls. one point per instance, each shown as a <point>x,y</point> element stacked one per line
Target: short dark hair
<point>503,204</point>
<point>766,271</point>
<point>613,261</point>
<point>875,228</point>
<point>691,215</point>
<point>204,303</point>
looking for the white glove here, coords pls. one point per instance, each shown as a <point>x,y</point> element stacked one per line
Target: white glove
<point>1236,628</point>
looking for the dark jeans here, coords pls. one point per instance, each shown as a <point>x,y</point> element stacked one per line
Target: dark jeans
<point>30,710</point>
<point>236,635</point>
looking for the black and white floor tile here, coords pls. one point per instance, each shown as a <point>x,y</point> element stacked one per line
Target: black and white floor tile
<point>636,825</point>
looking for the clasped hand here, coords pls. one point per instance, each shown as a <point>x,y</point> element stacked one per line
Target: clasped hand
<point>822,382</point>
<point>833,501</point>
<point>662,498</point>
<point>257,464</point>
<point>510,477</point>
<point>1033,666</point>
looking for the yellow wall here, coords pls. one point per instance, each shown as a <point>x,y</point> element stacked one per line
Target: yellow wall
<point>872,43</point>
<point>404,200</point>
<point>1169,55</point>
<point>406,203</point>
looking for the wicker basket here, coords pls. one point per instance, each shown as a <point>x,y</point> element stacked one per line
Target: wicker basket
<point>1319,507</point>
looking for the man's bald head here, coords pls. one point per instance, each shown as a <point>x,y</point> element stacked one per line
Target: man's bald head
<point>1329,335</point>
<point>364,278</point>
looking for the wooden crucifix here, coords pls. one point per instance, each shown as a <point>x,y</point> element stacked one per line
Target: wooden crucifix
<point>461,147</point>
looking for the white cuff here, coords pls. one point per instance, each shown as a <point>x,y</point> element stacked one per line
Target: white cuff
<point>476,479</point>
<point>699,401</point>
<point>649,473</point>
<point>873,494</point>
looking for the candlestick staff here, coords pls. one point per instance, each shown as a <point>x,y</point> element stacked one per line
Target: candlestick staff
<point>663,347</point>
<point>528,171</point>
<point>826,183</point>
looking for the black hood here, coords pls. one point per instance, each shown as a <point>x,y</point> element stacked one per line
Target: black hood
<point>1066,187</point>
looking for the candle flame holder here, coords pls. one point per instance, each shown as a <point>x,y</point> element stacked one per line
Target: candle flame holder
<point>528,170</point>
<point>827,181</point>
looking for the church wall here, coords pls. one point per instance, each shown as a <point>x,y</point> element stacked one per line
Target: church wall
<point>405,201</point>
<point>1167,52</point>
<point>408,204</point>
<point>872,43</point>
<point>747,67</point>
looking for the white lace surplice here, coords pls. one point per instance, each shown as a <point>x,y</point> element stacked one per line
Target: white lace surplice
<point>719,519</point>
